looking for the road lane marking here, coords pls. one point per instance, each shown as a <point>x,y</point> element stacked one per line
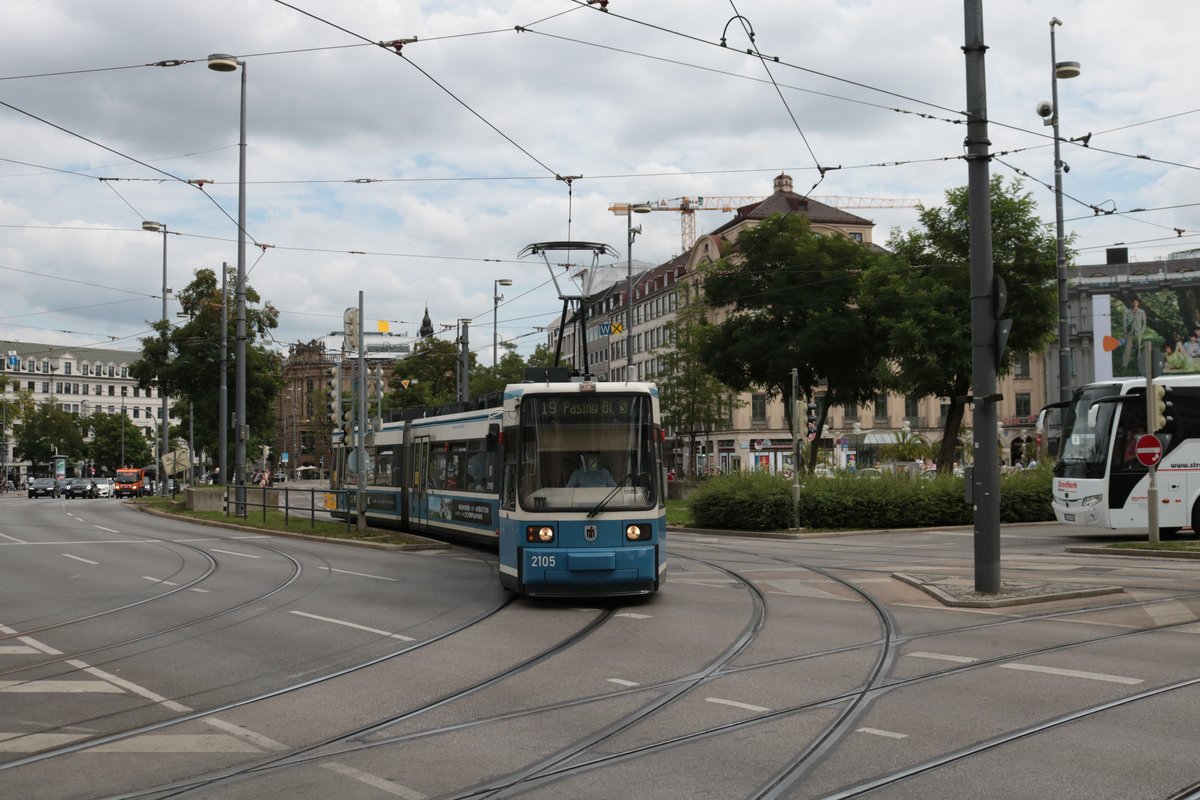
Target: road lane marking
<point>361,574</point>
<point>59,687</point>
<point>878,732</point>
<point>158,580</point>
<point>84,560</point>
<point>631,615</point>
<point>179,743</point>
<point>13,539</point>
<point>1072,673</point>
<point>944,657</point>
<point>736,704</point>
<point>355,625</point>
<point>394,789</point>
<point>620,682</point>
<point>130,687</point>
<point>36,742</point>
<point>107,530</point>
<point>31,642</point>
<point>237,730</point>
<point>232,553</point>
<point>16,650</point>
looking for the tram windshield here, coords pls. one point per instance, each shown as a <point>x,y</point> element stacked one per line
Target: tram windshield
<point>577,450</point>
<point>1089,427</point>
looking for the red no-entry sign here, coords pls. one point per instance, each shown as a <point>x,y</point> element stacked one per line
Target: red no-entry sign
<point>1149,449</point>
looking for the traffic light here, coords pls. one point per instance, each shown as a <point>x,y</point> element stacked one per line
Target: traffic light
<point>375,383</point>
<point>812,421</point>
<point>1163,410</point>
<point>333,387</point>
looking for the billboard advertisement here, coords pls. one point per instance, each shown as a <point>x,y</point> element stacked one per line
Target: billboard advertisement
<point>1165,321</point>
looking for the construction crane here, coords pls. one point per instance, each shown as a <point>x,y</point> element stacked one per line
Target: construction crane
<point>688,206</point>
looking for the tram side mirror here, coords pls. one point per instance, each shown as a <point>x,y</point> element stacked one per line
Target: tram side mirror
<point>1093,416</point>
<point>493,437</point>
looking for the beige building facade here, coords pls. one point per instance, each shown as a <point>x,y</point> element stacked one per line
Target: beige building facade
<point>756,436</point>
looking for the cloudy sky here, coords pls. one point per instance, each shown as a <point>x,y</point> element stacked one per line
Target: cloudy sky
<point>418,177</point>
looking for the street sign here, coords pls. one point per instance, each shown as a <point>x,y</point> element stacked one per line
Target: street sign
<point>1149,449</point>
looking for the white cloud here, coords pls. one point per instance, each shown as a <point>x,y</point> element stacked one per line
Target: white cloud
<point>638,112</point>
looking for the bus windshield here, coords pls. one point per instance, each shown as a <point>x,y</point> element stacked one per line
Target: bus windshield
<point>1088,426</point>
<point>579,449</point>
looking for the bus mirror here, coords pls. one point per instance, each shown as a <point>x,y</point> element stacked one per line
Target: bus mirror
<point>1040,425</point>
<point>1093,415</point>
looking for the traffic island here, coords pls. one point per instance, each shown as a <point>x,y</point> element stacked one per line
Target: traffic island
<point>959,592</point>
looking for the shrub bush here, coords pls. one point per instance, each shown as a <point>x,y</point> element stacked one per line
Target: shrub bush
<point>759,502</point>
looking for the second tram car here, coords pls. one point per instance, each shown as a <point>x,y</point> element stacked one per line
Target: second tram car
<point>566,479</point>
<point>1099,481</point>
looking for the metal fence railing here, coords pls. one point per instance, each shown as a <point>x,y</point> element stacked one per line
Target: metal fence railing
<point>311,503</point>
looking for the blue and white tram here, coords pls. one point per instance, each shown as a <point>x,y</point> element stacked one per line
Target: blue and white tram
<point>566,478</point>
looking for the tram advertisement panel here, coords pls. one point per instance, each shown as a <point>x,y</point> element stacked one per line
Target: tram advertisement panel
<point>468,511</point>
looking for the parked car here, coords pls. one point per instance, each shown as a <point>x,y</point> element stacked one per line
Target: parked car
<point>80,487</point>
<point>279,477</point>
<point>104,487</point>
<point>43,487</point>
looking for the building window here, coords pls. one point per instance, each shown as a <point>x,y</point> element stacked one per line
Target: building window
<point>66,368</point>
<point>881,409</point>
<point>758,407</point>
<point>912,406</point>
<point>1021,365</point>
<point>45,387</point>
<point>1024,406</point>
<point>856,236</point>
<point>850,412</point>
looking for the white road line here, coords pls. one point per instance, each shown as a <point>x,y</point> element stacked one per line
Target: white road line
<point>1072,673</point>
<point>231,553</point>
<point>361,574</point>
<point>130,687</point>
<point>35,644</point>
<point>254,536</point>
<point>16,650</point>
<point>631,615</point>
<point>394,789</point>
<point>735,704</point>
<point>13,539</point>
<point>944,657</point>
<point>878,732</point>
<point>237,730</point>
<point>179,743</point>
<point>59,687</point>
<point>194,589</point>
<point>158,580</point>
<point>355,625</point>
<point>36,742</point>
<point>620,682</point>
<point>108,530</point>
<point>84,560</point>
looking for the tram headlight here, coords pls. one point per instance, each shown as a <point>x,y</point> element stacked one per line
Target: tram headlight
<point>635,532</point>
<point>1092,500</point>
<point>539,534</point>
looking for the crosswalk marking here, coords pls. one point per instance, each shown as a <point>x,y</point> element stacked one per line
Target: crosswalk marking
<point>59,687</point>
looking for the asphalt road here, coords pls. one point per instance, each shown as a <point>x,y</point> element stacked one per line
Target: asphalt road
<point>148,657</point>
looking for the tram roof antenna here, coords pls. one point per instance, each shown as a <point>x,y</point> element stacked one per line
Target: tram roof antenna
<point>566,292</point>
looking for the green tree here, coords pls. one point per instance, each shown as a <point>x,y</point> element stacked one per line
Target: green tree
<point>114,436</point>
<point>186,362</point>
<point>432,374</point>
<point>921,300</point>
<point>790,296</point>
<point>48,431</point>
<point>486,378</point>
<point>692,399</point>
<point>907,446</point>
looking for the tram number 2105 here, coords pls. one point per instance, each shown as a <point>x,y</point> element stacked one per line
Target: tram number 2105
<point>536,560</point>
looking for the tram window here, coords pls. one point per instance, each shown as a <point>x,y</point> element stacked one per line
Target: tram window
<point>384,459</point>
<point>480,472</point>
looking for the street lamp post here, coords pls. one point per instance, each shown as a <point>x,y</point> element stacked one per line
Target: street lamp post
<point>631,231</point>
<point>220,62</point>
<point>164,414</point>
<point>1060,69</point>
<point>496,298</point>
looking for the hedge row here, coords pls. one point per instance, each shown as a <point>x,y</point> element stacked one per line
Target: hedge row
<point>759,502</point>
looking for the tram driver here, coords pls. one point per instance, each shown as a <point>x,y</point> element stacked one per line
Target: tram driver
<point>591,472</point>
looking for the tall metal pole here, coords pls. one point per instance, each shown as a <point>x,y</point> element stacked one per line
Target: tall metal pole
<point>1064,310</point>
<point>223,400</point>
<point>986,473</point>
<point>243,428</point>
<point>164,413</point>
<point>629,293</point>
<point>221,62</point>
<point>360,498</point>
